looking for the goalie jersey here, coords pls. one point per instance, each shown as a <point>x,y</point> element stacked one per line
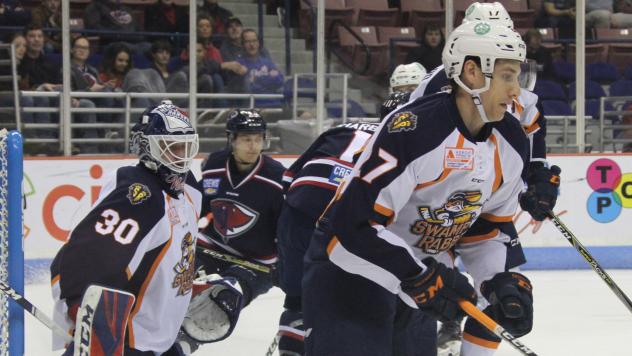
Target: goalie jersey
<point>313,178</point>
<point>138,238</point>
<point>526,109</point>
<point>242,209</point>
<point>423,186</point>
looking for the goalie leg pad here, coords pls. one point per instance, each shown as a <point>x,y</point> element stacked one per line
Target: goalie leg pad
<point>214,308</point>
<point>102,322</point>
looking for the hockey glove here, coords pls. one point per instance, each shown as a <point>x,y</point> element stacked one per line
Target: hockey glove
<point>214,308</point>
<point>511,301</point>
<point>291,333</point>
<point>542,190</point>
<point>438,289</point>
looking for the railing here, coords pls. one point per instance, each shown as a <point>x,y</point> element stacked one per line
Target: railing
<point>608,131</point>
<point>295,94</point>
<point>127,110</point>
<point>566,122</point>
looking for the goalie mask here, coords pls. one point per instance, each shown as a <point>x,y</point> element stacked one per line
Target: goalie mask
<point>165,142</point>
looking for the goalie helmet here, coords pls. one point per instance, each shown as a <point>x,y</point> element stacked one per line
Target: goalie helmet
<point>165,142</point>
<point>488,42</point>
<point>407,74</point>
<point>490,12</point>
<point>392,102</point>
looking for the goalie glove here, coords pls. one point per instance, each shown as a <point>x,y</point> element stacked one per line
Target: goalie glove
<point>214,308</point>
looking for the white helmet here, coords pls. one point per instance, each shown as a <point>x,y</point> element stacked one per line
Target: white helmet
<point>490,12</point>
<point>487,41</point>
<point>407,74</point>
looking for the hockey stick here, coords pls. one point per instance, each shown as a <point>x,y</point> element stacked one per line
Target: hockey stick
<point>11,293</point>
<point>591,261</point>
<point>494,327</point>
<point>232,259</point>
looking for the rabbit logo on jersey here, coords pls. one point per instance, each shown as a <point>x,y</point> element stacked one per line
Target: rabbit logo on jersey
<point>185,268</point>
<point>441,228</point>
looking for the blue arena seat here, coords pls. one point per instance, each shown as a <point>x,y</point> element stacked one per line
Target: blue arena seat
<point>593,90</point>
<point>622,87</point>
<point>556,108</point>
<point>549,90</point>
<point>602,72</point>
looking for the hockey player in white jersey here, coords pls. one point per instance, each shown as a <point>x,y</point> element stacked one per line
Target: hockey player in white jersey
<point>138,238</point>
<point>442,174</point>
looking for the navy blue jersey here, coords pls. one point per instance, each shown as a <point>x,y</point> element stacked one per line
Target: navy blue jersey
<point>313,178</point>
<point>242,208</point>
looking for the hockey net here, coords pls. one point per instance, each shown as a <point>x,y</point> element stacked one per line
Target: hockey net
<point>11,255</point>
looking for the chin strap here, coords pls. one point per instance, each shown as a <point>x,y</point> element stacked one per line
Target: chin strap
<point>476,95</point>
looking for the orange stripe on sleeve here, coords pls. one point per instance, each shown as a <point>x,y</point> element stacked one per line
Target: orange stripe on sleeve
<point>532,128</point>
<point>143,288</point>
<point>481,342</point>
<point>477,238</point>
<point>497,165</point>
<point>495,218</point>
<point>55,279</point>
<point>383,210</point>
<point>334,241</point>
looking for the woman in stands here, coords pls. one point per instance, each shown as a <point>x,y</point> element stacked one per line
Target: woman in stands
<point>117,61</point>
<point>429,54</point>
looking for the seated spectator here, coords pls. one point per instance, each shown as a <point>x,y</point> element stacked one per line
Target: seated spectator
<point>111,15</point>
<point>218,14</point>
<point>263,76</point>
<point>117,62</point>
<point>231,46</point>
<point>600,14</point>
<point>429,54</point>
<point>540,54</point>
<point>19,42</point>
<point>209,78</point>
<point>165,16</point>
<point>13,13</point>
<point>558,14</point>
<point>35,71</point>
<point>48,15</point>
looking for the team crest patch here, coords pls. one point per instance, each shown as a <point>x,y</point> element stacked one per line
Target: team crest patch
<point>138,193</point>
<point>232,218</point>
<point>458,158</point>
<point>211,185</point>
<point>403,121</point>
<point>338,174</point>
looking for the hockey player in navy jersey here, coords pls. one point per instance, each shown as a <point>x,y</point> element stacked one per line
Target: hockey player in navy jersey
<point>139,238</point>
<point>242,198</point>
<point>443,173</point>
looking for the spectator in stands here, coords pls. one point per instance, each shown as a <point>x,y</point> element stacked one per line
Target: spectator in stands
<point>13,13</point>
<point>111,15</point>
<point>263,76</point>
<point>231,46</point>
<point>218,14</point>
<point>540,54</point>
<point>429,53</point>
<point>19,42</point>
<point>36,72</point>
<point>117,62</point>
<point>165,16</point>
<point>600,14</point>
<point>48,15</point>
<point>558,14</point>
<point>209,78</point>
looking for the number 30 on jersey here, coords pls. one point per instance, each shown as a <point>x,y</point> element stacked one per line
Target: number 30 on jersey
<point>123,231</point>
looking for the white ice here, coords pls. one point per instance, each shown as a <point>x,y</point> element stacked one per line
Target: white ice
<point>576,314</point>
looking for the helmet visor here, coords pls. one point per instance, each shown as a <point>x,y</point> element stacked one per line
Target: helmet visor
<point>528,74</point>
<point>175,152</point>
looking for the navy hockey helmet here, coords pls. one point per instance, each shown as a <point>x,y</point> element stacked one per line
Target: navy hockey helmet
<point>164,139</point>
<point>392,102</point>
<point>245,121</point>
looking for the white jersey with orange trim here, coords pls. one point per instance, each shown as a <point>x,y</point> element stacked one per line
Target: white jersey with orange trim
<point>525,110</point>
<point>138,237</point>
<point>423,186</point>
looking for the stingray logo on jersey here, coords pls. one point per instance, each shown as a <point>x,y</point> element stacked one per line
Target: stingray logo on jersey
<point>612,190</point>
<point>232,218</point>
<point>403,121</point>
<point>138,193</point>
<point>441,228</point>
<point>338,174</point>
<point>185,268</point>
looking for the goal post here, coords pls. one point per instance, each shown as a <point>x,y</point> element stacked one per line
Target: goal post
<point>11,241</point>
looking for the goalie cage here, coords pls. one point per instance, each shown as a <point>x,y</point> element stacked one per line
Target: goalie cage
<point>11,252</point>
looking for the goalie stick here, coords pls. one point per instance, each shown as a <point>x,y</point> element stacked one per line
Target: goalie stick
<point>232,259</point>
<point>38,314</point>
<point>494,327</point>
<point>591,260</point>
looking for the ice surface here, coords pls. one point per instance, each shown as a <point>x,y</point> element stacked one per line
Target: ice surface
<point>576,314</point>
